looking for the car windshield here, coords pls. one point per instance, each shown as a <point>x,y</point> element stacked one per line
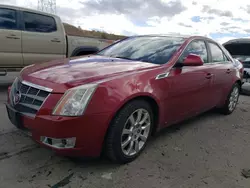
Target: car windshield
<point>152,49</point>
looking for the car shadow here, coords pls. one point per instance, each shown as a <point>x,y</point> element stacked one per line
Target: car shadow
<point>104,163</point>
<point>184,125</point>
<point>245,90</point>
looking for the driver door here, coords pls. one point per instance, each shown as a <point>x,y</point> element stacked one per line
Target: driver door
<point>190,92</point>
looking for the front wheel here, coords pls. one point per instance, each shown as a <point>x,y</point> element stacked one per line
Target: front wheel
<point>129,132</point>
<point>232,100</point>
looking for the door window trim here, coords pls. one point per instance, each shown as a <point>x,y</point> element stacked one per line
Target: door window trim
<point>17,14</point>
<point>23,23</point>
<point>210,53</point>
<point>194,40</point>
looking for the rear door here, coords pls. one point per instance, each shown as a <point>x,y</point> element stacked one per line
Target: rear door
<point>190,92</point>
<point>222,70</point>
<point>10,38</point>
<point>42,40</point>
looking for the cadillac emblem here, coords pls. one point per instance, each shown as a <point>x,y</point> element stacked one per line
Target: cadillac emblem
<point>17,97</point>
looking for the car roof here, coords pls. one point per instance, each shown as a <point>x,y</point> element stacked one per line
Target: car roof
<point>175,36</point>
<point>164,35</point>
<point>26,9</point>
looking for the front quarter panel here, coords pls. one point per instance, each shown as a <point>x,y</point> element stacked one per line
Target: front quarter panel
<point>110,96</point>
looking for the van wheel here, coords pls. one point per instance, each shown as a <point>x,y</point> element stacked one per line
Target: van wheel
<point>232,100</point>
<point>129,132</point>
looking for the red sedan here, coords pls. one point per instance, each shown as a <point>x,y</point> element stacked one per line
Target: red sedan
<point>115,100</point>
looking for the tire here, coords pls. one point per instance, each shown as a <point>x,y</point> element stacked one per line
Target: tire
<point>232,100</point>
<point>125,130</point>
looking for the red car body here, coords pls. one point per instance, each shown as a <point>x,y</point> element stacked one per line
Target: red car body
<point>174,94</point>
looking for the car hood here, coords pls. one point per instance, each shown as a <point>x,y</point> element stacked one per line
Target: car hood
<point>78,71</point>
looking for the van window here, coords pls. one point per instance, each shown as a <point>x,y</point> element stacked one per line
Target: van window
<point>8,19</point>
<point>39,23</point>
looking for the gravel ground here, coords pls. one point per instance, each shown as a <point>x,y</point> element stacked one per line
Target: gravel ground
<point>208,151</point>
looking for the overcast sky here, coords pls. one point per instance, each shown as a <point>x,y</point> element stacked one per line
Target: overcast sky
<point>218,19</point>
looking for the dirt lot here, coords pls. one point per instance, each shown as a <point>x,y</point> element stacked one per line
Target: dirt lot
<point>208,151</point>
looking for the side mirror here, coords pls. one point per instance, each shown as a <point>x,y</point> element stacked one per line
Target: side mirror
<point>192,60</point>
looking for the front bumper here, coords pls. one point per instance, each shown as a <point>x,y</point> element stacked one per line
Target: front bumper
<point>89,131</point>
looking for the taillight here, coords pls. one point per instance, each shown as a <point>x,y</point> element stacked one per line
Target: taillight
<point>242,68</point>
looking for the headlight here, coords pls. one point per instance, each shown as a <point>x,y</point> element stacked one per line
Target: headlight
<point>75,101</point>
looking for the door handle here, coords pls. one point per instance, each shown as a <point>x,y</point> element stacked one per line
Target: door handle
<point>228,71</point>
<point>55,40</point>
<point>12,36</point>
<point>209,75</point>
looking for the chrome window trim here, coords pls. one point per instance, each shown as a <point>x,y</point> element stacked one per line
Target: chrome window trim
<point>211,41</point>
<point>193,40</point>
<point>205,40</point>
<point>167,73</point>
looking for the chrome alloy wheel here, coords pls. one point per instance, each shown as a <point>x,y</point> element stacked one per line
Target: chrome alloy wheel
<point>135,132</point>
<point>233,99</point>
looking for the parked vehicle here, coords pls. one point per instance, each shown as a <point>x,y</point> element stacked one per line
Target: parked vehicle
<point>239,49</point>
<point>115,100</point>
<point>240,67</point>
<point>29,36</point>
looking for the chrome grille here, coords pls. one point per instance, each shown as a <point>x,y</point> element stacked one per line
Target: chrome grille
<point>32,97</point>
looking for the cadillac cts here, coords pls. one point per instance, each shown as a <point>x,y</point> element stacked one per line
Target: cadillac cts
<point>114,100</point>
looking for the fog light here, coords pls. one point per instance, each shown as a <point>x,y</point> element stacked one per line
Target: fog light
<point>59,142</point>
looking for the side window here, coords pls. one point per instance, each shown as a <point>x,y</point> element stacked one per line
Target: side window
<point>8,19</point>
<point>217,53</point>
<point>198,48</point>
<point>38,23</point>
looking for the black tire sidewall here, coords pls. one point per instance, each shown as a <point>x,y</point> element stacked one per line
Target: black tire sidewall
<point>118,126</point>
<point>226,107</point>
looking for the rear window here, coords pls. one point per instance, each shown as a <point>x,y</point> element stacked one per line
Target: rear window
<point>39,23</point>
<point>8,19</point>
<point>238,49</point>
